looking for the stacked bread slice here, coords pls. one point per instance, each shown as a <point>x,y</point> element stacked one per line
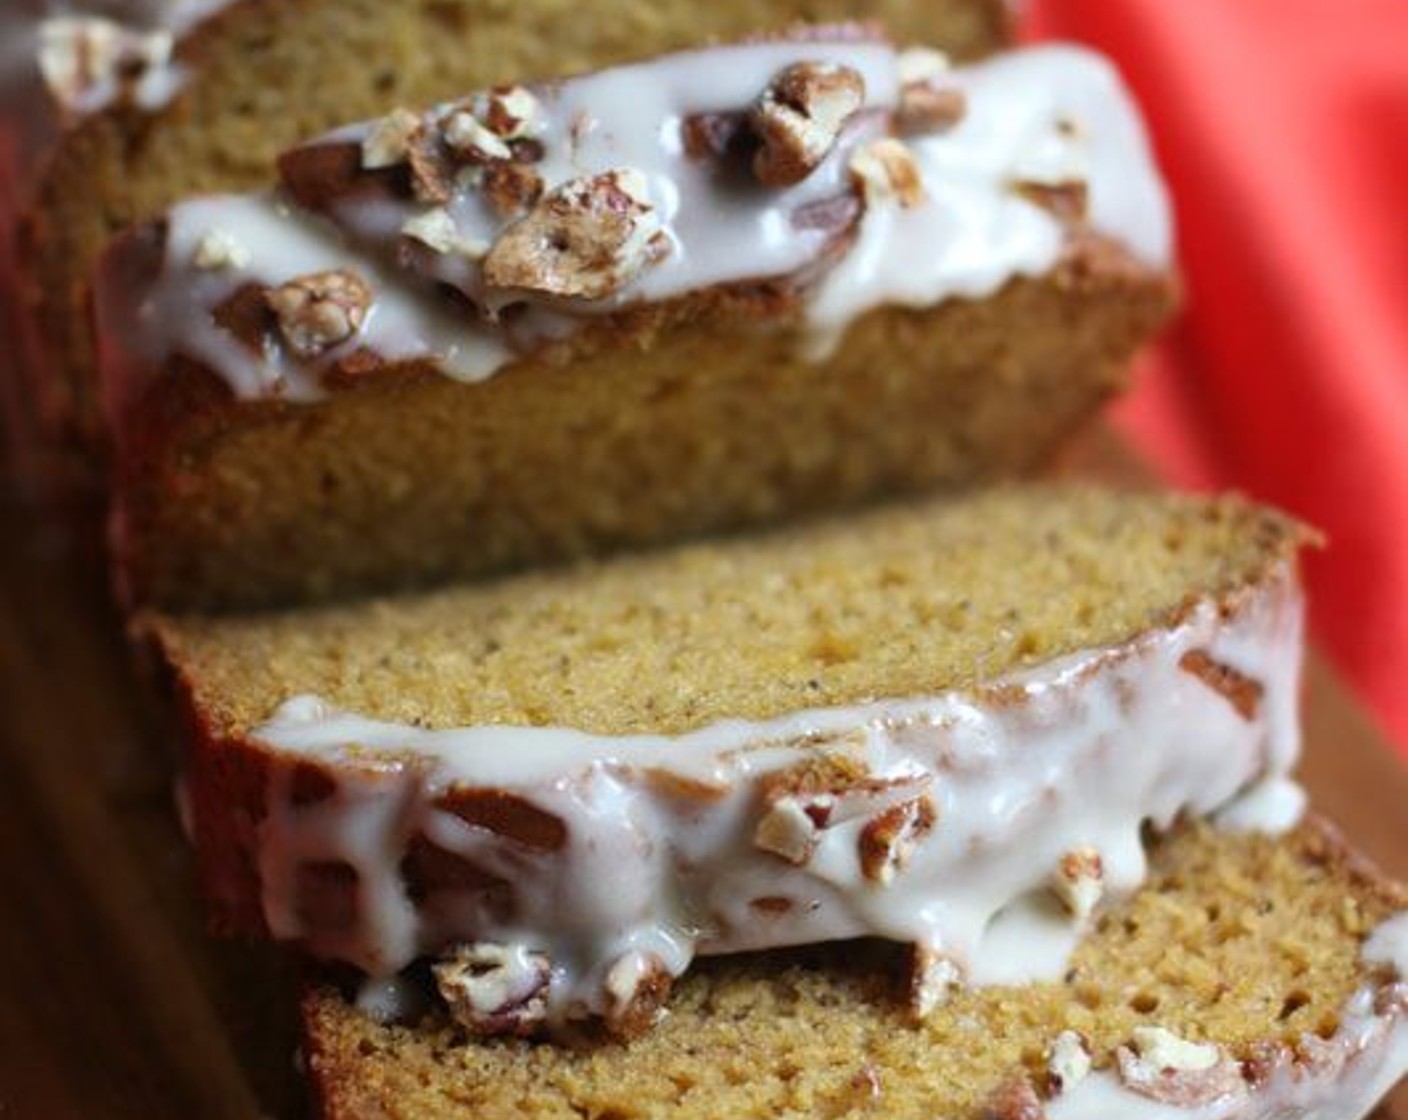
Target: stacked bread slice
<point>113,110</point>
<point>569,521</point>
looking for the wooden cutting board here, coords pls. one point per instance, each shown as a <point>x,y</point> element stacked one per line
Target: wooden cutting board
<point>113,1002</point>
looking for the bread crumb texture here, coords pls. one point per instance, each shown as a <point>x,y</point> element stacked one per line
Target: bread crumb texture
<point>905,601</point>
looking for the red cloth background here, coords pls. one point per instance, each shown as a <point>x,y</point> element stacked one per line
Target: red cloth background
<point>1283,128</point>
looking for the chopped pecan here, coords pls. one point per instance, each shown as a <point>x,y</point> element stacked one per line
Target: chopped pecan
<point>925,109</point>
<point>496,989</point>
<point>471,138</point>
<point>932,978</point>
<point>1013,1099</point>
<point>712,136</point>
<point>432,169</point>
<point>637,986</point>
<point>791,826</point>
<point>508,815</point>
<point>1240,690</point>
<point>317,312</point>
<point>889,839</point>
<point>927,104</point>
<point>1079,880</point>
<point>1067,1063</point>
<point>586,239</point>
<point>1067,202</point>
<point>389,141</point>
<point>885,169</point>
<point>511,188</point>
<point>512,112</point>
<point>79,55</point>
<point>800,117</point>
<point>218,249</point>
<point>1164,1067</point>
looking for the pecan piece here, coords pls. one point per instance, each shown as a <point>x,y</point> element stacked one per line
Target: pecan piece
<point>889,839</point>
<point>389,141</point>
<point>511,188</point>
<point>791,826</point>
<point>1079,880</point>
<point>1067,1063</point>
<point>1013,1099</point>
<point>931,980</point>
<point>637,986</point>
<point>885,169</point>
<point>1239,690</point>
<point>926,104</point>
<point>316,312</point>
<point>586,239</point>
<point>1164,1067</point>
<point>496,989</point>
<point>800,117</point>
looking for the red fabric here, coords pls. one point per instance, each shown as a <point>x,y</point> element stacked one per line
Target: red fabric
<point>1283,128</point>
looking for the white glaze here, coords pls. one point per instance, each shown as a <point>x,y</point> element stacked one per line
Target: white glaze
<point>721,231</point>
<point>275,244</point>
<point>1388,945</point>
<point>1076,753</point>
<point>1051,116</point>
<point>972,235</point>
<point>1273,806</point>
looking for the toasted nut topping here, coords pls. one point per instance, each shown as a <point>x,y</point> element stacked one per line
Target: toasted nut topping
<point>317,311</point>
<point>1079,880</point>
<point>1165,1050</point>
<point>1241,691</point>
<point>637,986</point>
<point>586,239</point>
<point>885,169</point>
<point>922,64</point>
<point>926,109</point>
<point>933,978</point>
<point>218,249</point>
<point>437,230</point>
<point>389,141</point>
<point>511,188</point>
<point>1165,1067</point>
<point>1067,202</point>
<point>926,104</point>
<point>1067,1063</point>
<point>887,842</point>
<point>496,989</point>
<point>467,136</point>
<point>1014,1099</point>
<point>84,56</point>
<point>511,112</point>
<point>799,118</point>
<point>792,826</point>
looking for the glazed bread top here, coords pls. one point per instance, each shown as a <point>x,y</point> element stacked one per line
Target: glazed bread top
<point>825,168</point>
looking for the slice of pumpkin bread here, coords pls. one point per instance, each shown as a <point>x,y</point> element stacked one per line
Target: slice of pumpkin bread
<point>112,110</point>
<point>896,725</point>
<point>712,289</point>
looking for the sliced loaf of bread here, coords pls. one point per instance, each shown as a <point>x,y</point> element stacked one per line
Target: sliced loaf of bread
<point>896,725</point>
<point>712,289</point>
<point>112,110</point>
<point>1253,977</point>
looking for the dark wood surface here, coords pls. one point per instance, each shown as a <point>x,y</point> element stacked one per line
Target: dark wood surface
<point>113,1003</point>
